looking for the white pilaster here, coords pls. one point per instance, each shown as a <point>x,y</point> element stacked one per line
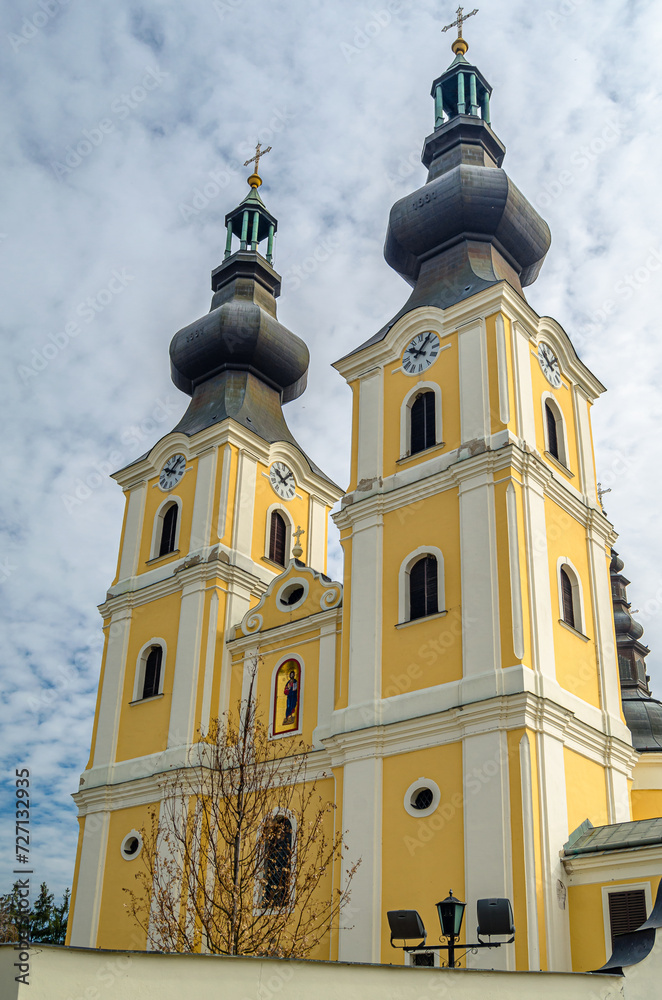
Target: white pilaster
<point>365,623</point>
<point>225,491</point>
<point>237,603</point>
<point>502,367</point>
<point>360,930</point>
<point>316,534</point>
<point>587,481</point>
<point>532,932</point>
<point>212,632</point>
<point>371,426</point>
<point>204,499</point>
<point>515,577</point>
<point>187,665</point>
<point>540,595</point>
<point>132,532</point>
<point>244,503</point>
<point>474,383</point>
<point>325,681</point>
<point>481,652</point>
<point>487,834</point>
<point>89,887</point>
<point>110,705</point>
<point>553,834</point>
<point>526,426</point>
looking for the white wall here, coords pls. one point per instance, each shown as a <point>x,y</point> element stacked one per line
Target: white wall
<point>72,974</point>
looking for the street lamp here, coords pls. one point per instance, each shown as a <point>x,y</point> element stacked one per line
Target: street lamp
<point>451,912</point>
<point>495,917</point>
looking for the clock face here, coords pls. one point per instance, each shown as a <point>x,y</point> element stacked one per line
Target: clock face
<point>282,480</point>
<point>549,364</point>
<point>172,472</point>
<point>420,353</point>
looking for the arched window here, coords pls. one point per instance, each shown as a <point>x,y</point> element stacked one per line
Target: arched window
<point>277,538</point>
<point>567,598</point>
<point>571,599</point>
<point>277,846</point>
<point>423,592</point>
<point>552,435</point>
<point>169,530</point>
<point>555,436</point>
<point>423,423</point>
<point>152,678</point>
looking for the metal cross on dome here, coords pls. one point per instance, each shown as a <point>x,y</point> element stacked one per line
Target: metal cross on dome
<point>259,153</point>
<point>461,18</point>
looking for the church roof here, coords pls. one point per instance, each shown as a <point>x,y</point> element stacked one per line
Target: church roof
<point>615,837</point>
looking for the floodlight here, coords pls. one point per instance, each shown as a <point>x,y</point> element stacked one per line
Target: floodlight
<point>406,925</point>
<point>495,916</point>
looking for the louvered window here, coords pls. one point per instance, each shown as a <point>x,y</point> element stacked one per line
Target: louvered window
<point>552,435</point>
<point>152,672</point>
<point>627,911</point>
<point>277,538</point>
<point>277,871</point>
<point>169,530</point>
<point>568,603</point>
<point>423,588</point>
<point>423,430</point>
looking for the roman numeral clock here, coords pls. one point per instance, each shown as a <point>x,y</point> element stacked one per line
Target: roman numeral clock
<point>421,352</point>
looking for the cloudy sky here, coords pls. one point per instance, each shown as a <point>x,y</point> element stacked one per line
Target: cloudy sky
<point>124,127</point>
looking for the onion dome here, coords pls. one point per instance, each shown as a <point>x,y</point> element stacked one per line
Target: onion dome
<point>468,227</point>
<point>238,361</point>
<point>643,713</point>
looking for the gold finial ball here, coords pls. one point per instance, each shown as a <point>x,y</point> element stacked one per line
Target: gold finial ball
<point>254,181</point>
<point>459,47</point>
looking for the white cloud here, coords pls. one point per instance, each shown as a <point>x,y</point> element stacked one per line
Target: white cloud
<point>346,129</point>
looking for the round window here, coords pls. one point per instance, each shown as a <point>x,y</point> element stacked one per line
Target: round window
<point>131,845</point>
<point>422,797</point>
<point>292,594</point>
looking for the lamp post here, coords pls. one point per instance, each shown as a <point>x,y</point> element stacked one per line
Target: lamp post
<point>451,912</point>
<point>495,918</point>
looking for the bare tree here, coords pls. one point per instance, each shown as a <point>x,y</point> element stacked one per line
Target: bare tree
<point>243,856</point>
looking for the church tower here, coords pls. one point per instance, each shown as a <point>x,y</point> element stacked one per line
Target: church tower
<point>460,689</point>
<point>481,683</point>
<point>210,520</point>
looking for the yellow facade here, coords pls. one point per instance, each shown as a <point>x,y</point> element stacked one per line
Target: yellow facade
<point>510,715</point>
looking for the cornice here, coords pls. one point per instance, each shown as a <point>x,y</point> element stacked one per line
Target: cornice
<point>228,432</point>
<point>449,471</point>
<point>499,297</point>
<point>287,632</point>
<point>210,563</point>
<point>505,712</point>
<point>115,787</point>
<point>613,866</point>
